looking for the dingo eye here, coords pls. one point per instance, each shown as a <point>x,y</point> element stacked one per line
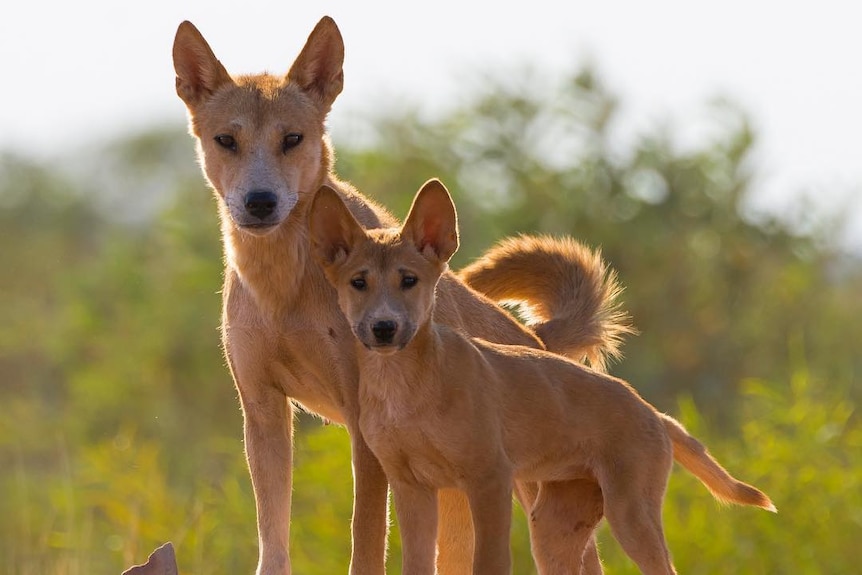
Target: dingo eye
<point>358,284</point>
<point>408,282</point>
<point>290,141</point>
<point>226,141</point>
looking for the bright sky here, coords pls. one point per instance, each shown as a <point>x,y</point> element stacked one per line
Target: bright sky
<point>76,72</point>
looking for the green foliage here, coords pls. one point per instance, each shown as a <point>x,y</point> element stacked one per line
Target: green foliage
<point>121,428</point>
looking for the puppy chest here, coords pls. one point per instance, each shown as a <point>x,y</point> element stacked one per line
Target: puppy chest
<point>409,454</point>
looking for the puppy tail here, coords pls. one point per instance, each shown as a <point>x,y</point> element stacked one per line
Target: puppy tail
<point>693,455</point>
<point>565,291</point>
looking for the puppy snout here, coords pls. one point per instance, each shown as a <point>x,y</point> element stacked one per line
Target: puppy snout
<point>384,331</point>
<point>260,203</point>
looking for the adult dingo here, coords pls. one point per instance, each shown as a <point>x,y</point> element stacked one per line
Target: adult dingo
<point>264,150</point>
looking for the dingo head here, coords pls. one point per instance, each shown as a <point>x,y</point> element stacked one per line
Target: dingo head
<point>385,278</point>
<point>261,138</point>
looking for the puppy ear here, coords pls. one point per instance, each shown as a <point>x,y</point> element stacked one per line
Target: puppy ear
<point>199,73</point>
<point>333,229</point>
<point>432,224</point>
<point>318,68</point>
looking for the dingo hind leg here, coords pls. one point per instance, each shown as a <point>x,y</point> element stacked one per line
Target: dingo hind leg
<point>562,523</point>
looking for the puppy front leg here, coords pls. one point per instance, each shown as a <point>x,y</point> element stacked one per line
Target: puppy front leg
<point>268,430</point>
<point>416,509</point>
<point>491,506</point>
<point>370,514</point>
<point>455,533</point>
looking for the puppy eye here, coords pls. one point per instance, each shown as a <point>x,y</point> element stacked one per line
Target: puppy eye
<point>408,282</point>
<point>358,284</point>
<point>226,141</point>
<point>290,141</point>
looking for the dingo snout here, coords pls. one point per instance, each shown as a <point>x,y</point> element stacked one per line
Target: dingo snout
<point>384,331</point>
<point>259,210</point>
<point>260,204</point>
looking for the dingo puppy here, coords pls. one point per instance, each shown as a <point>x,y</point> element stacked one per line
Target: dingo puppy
<point>441,409</point>
<point>263,149</point>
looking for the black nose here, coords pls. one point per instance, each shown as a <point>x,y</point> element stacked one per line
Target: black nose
<point>384,331</point>
<point>260,203</point>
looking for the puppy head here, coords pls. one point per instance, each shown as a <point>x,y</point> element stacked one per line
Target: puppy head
<point>385,278</point>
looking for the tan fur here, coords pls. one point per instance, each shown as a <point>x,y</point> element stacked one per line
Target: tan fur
<point>263,148</point>
<point>441,409</point>
<point>537,273</point>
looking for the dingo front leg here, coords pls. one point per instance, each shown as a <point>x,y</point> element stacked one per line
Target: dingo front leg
<point>268,430</point>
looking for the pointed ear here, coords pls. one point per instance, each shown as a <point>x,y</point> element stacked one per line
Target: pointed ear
<point>318,68</point>
<point>333,229</point>
<point>432,224</point>
<point>199,73</point>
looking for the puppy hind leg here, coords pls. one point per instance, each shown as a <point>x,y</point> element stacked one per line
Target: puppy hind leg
<point>635,521</point>
<point>562,524</point>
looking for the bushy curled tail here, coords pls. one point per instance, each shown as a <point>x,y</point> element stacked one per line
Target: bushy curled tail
<point>693,455</point>
<point>565,291</point>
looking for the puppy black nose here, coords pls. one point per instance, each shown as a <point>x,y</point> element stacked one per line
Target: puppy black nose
<point>260,203</point>
<point>384,331</point>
